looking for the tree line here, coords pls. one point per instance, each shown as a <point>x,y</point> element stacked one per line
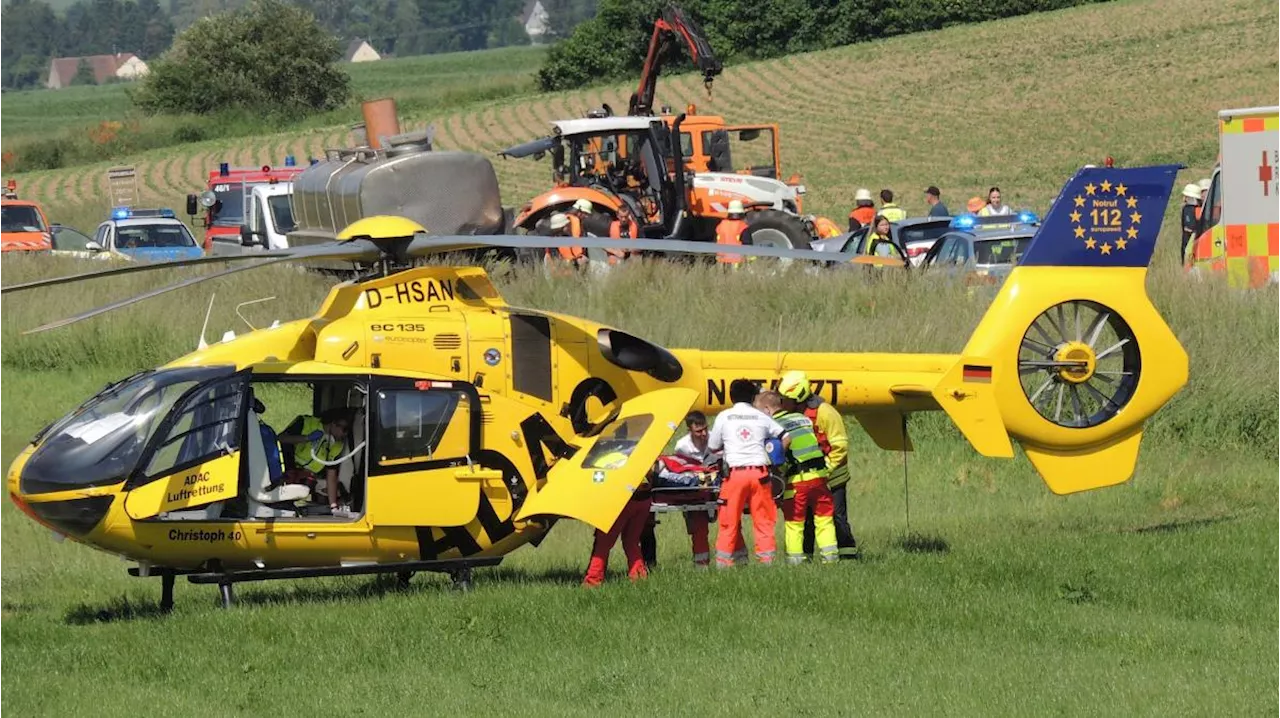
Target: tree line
<point>32,33</point>
<point>612,45</point>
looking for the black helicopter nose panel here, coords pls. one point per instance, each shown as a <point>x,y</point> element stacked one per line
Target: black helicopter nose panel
<point>75,517</point>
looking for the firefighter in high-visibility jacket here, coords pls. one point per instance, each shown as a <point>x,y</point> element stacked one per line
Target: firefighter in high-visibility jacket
<point>864,210</point>
<point>565,225</point>
<point>623,227</point>
<point>828,426</point>
<point>824,228</point>
<point>805,473</point>
<point>729,233</point>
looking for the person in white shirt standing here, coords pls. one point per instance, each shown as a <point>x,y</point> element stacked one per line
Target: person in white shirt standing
<point>995,208</point>
<point>740,431</point>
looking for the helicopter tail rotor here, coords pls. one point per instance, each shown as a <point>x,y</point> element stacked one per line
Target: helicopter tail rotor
<point>1076,356</point>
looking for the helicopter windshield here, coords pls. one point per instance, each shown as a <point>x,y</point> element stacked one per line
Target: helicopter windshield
<point>99,444</point>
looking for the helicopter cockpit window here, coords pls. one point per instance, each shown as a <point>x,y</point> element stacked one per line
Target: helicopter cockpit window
<point>616,443</point>
<point>416,425</point>
<point>206,426</point>
<point>101,442</point>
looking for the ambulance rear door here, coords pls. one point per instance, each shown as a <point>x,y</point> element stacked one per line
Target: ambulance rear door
<point>1249,193</point>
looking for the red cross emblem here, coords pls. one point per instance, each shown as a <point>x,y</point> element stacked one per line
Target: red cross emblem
<point>1264,175</point>
<point>745,433</point>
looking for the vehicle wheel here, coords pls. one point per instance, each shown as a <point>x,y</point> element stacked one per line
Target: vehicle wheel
<point>774,228</point>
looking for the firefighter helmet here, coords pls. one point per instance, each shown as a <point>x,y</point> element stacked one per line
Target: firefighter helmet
<point>583,205</point>
<point>862,195</point>
<point>559,220</point>
<point>1191,191</point>
<point>735,208</point>
<point>795,386</point>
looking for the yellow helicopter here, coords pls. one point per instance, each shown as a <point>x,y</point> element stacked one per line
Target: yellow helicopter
<point>474,425</point>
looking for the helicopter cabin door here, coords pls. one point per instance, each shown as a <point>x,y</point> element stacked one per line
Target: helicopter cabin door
<point>594,485</point>
<point>421,434</point>
<point>191,465</point>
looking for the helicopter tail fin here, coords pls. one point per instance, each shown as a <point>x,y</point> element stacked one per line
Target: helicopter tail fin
<point>1074,354</point>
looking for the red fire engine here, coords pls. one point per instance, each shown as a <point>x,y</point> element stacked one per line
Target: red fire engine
<point>226,196</point>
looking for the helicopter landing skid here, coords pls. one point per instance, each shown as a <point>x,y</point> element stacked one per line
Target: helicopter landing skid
<point>459,570</point>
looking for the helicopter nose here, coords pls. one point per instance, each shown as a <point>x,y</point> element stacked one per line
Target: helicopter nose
<point>71,517</point>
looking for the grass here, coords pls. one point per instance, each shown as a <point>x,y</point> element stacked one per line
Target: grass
<point>997,598</point>
<point>1154,598</point>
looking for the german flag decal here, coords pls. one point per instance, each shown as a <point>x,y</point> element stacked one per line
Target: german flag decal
<point>976,373</point>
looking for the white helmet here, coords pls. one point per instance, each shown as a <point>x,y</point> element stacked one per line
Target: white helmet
<point>559,220</point>
<point>1191,191</point>
<point>862,195</point>
<point>1204,184</point>
<point>735,207</point>
<point>583,205</point>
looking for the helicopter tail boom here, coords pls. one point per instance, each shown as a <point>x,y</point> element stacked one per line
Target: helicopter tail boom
<point>1070,359</point>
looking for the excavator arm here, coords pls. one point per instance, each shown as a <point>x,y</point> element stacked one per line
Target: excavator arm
<point>673,24</point>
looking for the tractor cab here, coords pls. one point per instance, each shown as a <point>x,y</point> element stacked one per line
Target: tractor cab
<point>709,145</point>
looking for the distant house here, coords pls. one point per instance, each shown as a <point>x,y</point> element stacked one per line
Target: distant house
<point>124,66</point>
<point>536,21</point>
<point>360,51</point>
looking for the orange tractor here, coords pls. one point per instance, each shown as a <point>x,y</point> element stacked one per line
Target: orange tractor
<point>633,160</point>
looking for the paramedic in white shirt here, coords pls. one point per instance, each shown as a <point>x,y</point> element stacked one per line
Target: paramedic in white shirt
<point>740,431</point>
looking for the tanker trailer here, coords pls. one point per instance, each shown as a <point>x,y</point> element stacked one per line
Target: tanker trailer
<point>446,192</point>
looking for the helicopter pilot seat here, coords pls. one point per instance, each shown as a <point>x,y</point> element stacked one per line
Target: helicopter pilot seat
<point>353,466</point>
<point>266,496</point>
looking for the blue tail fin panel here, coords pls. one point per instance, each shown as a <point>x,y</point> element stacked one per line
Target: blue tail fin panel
<point>1104,217</point>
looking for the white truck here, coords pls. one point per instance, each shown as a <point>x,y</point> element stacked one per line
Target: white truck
<point>268,217</point>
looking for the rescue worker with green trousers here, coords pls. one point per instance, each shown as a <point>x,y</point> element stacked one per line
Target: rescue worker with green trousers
<point>828,425</point>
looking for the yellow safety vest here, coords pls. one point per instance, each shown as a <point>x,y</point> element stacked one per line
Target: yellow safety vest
<point>325,448</point>
<point>893,212</point>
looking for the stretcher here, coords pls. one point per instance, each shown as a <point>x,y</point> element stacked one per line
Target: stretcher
<point>682,499</point>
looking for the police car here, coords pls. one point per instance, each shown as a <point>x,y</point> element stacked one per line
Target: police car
<point>984,249</point>
<point>146,235</point>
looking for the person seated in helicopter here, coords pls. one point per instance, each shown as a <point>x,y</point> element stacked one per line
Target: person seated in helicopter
<point>318,443</point>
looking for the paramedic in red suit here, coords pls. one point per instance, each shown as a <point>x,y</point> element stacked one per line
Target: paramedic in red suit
<point>629,525</point>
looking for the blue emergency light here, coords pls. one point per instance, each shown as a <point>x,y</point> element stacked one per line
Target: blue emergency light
<point>224,169</point>
<point>1026,216</point>
<point>130,213</point>
<point>964,221</point>
<point>289,161</point>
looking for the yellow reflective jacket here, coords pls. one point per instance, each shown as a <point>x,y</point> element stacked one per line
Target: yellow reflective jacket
<point>326,448</point>
<point>892,212</point>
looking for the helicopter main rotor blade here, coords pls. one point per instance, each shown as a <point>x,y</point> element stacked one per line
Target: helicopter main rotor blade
<point>357,250</point>
<point>143,267</point>
<point>425,245</point>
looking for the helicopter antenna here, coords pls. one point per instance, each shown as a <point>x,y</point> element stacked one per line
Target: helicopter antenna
<point>906,488</point>
<point>202,344</point>
<point>778,351</point>
<point>245,304</point>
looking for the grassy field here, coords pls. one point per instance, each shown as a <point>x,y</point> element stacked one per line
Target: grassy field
<point>1154,598</point>
<point>1151,598</point>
